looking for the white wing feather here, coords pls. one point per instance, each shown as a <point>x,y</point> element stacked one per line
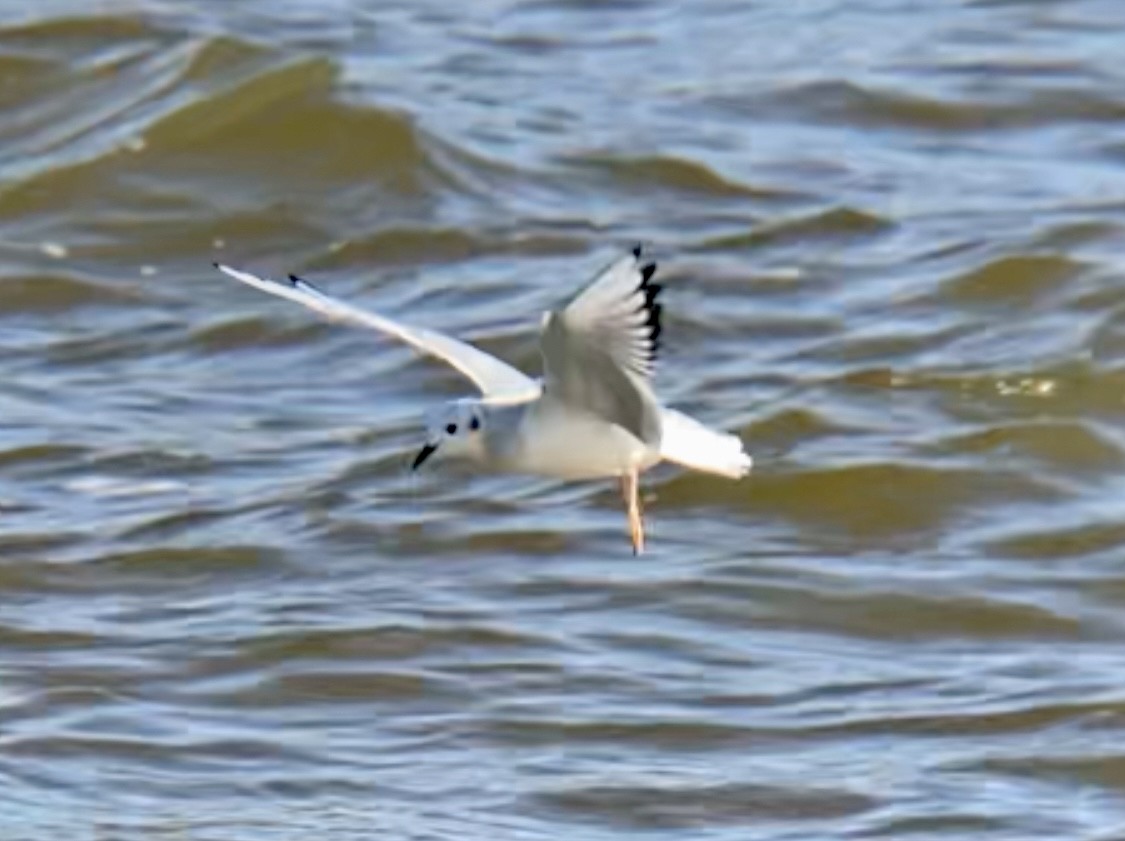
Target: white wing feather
<point>498,381</point>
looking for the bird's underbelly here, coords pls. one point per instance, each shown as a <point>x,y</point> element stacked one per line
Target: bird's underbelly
<point>578,445</point>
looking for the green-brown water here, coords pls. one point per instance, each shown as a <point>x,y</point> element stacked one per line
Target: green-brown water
<point>891,234</point>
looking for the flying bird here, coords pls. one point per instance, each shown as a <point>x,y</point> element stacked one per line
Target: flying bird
<point>592,415</point>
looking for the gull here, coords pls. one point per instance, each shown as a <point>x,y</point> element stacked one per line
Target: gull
<point>592,415</point>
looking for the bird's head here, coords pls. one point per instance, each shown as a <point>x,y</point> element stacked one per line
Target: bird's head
<point>456,430</point>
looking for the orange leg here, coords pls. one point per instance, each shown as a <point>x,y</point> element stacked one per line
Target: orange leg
<point>630,493</point>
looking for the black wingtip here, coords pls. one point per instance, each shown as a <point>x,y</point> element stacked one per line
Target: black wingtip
<point>298,282</point>
<point>215,263</point>
<point>653,310</point>
<point>655,330</point>
<point>637,251</point>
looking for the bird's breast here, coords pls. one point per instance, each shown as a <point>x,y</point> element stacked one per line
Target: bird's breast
<point>556,440</point>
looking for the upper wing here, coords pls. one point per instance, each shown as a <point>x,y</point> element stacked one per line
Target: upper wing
<point>598,352</point>
<point>498,381</point>
<point>619,313</point>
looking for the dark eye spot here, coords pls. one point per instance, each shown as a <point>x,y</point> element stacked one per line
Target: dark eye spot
<point>451,428</point>
<point>474,423</point>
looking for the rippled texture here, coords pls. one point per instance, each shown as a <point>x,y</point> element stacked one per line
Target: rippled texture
<point>890,234</point>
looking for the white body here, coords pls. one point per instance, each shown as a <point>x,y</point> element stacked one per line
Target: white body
<point>556,440</point>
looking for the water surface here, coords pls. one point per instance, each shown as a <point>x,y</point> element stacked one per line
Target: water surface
<point>890,235</point>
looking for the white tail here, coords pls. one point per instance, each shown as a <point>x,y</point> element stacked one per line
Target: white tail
<point>688,442</point>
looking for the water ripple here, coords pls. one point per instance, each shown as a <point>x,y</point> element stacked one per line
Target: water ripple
<point>889,240</point>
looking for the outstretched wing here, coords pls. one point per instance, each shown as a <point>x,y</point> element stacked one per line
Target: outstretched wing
<point>498,381</point>
<point>599,351</point>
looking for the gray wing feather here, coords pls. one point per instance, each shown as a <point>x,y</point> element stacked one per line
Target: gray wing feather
<point>600,349</point>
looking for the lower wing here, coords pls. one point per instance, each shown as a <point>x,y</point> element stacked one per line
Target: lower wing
<point>687,442</point>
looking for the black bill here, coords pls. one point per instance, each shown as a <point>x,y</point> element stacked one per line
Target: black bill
<point>423,454</point>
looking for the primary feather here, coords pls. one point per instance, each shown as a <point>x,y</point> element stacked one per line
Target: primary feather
<point>619,311</point>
